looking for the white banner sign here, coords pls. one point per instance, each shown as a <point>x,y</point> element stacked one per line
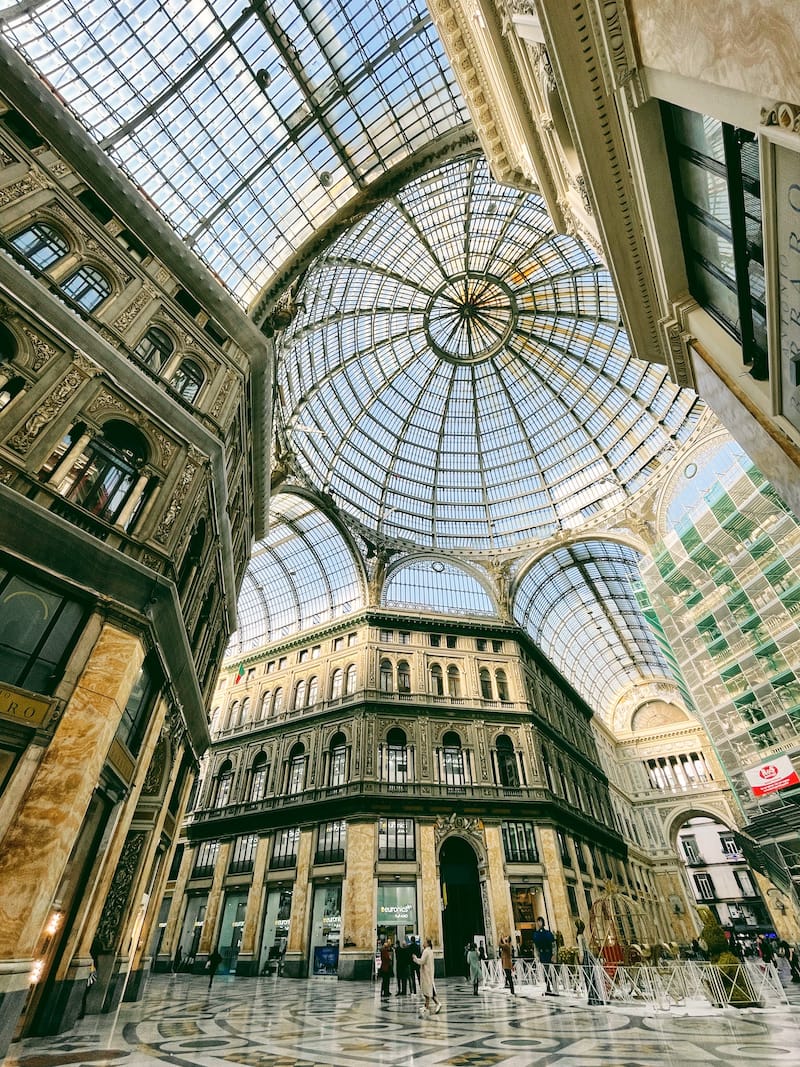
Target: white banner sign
<point>779,773</point>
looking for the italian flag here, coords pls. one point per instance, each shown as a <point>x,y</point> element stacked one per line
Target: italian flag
<point>239,674</point>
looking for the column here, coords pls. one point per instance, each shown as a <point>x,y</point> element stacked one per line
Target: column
<point>169,943</point>
<point>497,889</point>
<point>430,907</point>
<point>38,844</point>
<point>132,502</point>
<point>295,964</point>
<point>208,938</point>
<point>68,460</point>
<point>247,964</point>
<point>357,949</point>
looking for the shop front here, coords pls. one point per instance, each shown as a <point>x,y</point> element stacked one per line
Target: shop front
<point>326,928</point>
<point>275,932</point>
<point>231,929</point>
<point>192,928</point>
<point>397,912</point>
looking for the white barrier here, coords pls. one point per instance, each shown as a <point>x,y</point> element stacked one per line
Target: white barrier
<point>664,986</point>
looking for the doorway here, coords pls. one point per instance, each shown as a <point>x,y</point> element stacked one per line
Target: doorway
<point>462,912</point>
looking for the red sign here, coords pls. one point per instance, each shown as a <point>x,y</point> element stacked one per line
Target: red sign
<point>770,777</point>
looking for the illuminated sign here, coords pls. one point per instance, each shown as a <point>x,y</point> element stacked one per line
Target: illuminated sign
<point>770,777</point>
<point>397,904</point>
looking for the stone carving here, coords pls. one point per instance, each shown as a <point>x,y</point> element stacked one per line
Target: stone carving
<point>223,394</point>
<point>176,503</point>
<point>105,401</point>
<point>47,410</point>
<point>108,928</point>
<point>457,824</point>
<point>166,447</point>
<point>782,114</point>
<point>139,302</point>
<point>155,772</point>
<point>59,168</point>
<point>6,474</point>
<point>31,183</point>
<point>43,352</point>
<point>580,181</point>
<point>545,68</point>
<point>6,159</point>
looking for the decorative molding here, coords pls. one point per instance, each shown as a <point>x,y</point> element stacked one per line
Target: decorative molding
<point>678,339</point>
<point>48,409</point>
<point>166,447</point>
<point>108,928</point>
<point>106,401</point>
<point>145,296</point>
<point>176,503</point>
<point>151,786</point>
<point>459,825</point>
<point>43,352</point>
<point>782,114</point>
<point>223,394</point>
<point>31,183</point>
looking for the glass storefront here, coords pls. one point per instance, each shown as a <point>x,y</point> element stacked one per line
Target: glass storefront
<point>231,929</point>
<point>275,933</point>
<point>397,911</point>
<point>193,927</point>
<point>326,928</point>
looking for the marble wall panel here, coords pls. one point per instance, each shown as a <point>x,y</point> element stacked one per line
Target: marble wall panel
<point>358,893</point>
<point>429,908</point>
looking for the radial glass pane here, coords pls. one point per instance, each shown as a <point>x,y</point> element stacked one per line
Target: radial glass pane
<point>436,586</point>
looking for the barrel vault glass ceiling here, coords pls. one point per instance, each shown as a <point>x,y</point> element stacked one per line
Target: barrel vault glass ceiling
<point>457,381</point>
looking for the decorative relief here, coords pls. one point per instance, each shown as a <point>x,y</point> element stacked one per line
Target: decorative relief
<point>139,302</point>
<point>166,447</point>
<point>176,503</point>
<point>6,474</point>
<point>47,410</point>
<point>108,928</point>
<point>155,772</point>
<point>782,114</point>
<point>59,168</point>
<point>6,159</point>
<point>43,352</point>
<point>31,183</point>
<point>457,824</point>
<point>223,394</point>
<point>105,401</point>
<point>580,181</point>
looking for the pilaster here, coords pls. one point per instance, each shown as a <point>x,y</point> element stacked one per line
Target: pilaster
<point>358,903</point>
<point>295,965</point>
<point>501,916</point>
<point>247,963</point>
<point>208,938</point>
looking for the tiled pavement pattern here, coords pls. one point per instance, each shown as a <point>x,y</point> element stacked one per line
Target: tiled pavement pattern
<point>270,1022</point>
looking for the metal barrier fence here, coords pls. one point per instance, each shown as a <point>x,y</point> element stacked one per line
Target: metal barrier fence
<point>664,986</point>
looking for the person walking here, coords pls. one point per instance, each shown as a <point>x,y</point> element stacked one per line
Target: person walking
<point>386,968</point>
<point>214,960</point>
<point>507,959</point>
<point>592,973</point>
<point>426,986</point>
<point>474,964</point>
<point>177,960</point>
<point>543,940</point>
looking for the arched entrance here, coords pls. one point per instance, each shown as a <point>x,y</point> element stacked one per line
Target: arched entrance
<point>462,912</point>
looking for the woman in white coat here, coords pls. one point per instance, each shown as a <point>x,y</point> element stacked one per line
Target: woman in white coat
<point>426,986</point>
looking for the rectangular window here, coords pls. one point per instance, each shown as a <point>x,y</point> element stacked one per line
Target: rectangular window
<point>205,859</point>
<point>497,646</point>
<point>396,839</point>
<point>251,673</point>
<point>519,842</point>
<point>566,858</point>
<point>271,666</point>
<point>243,854</point>
<point>282,663</point>
<point>386,636</point>
<point>175,865</point>
<point>315,651</point>
<point>704,886</point>
<point>435,640</point>
<point>338,644</point>
<point>338,767</point>
<point>331,842</point>
<point>745,883</point>
<point>352,639</point>
<point>405,637</point>
<point>284,851</point>
<point>135,717</point>
<point>480,644</point>
<point>572,896</point>
<point>717,186</point>
<point>728,845</point>
<point>452,641</point>
<point>38,630</point>
<point>302,655</point>
<point>690,849</point>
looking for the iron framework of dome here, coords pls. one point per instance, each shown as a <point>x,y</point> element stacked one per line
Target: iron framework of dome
<point>458,377</point>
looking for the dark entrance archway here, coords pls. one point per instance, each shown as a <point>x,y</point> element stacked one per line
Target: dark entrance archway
<point>462,915</point>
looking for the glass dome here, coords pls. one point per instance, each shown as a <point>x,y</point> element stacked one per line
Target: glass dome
<point>458,376</point>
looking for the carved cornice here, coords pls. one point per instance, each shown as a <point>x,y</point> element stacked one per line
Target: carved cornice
<point>782,114</point>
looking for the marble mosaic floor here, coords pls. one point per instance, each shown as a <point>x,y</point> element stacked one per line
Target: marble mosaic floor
<point>270,1022</point>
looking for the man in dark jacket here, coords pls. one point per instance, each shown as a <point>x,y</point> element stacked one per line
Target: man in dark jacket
<point>543,940</point>
<point>386,968</point>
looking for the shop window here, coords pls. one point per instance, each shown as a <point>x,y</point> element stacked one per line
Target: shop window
<point>331,842</point>
<point>107,472</point>
<point>295,781</point>
<point>453,682</point>
<point>284,851</point>
<point>205,859</point>
<point>243,854</point>
<point>337,765</point>
<point>437,681</point>
<point>486,684</point>
<point>396,839</point>
<point>385,676</point>
<point>519,842</point>
<point>258,778</point>
<point>337,683</point>
<point>155,348</point>
<point>350,680</point>
<point>87,287</point>
<point>136,715</point>
<point>188,380</point>
<point>41,245</point>
<point>38,631</point>
<point>717,187</point>
<point>507,770</point>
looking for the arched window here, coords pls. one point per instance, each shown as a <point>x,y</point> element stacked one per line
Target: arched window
<point>453,681</point>
<point>102,479</point>
<point>437,681</point>
<point>507,771</point>
<point>337,764</point>
<point>8,345</point>
<point>296,776</point>
<point>264,709</point>
<point>277,704</point>
<point>403,677</point>
<point>350,680</point>
<point>258,777</point>
<point>486,684</point>
<point>233,715</point>
<point>385,676</point>
<point>41,244</point>
<point>396,756</point>
<point>214,721</point>
<point>299,694</point>
<point>502,685</point>
<point>87,287</point>
<point>548,772</point>
<point>188,380</point>
<point>244,711</point>
<point>155,348</point>
<point>222,790</point>
<point>453,760</point>
<point>337,682</point>
<point>313,691</point>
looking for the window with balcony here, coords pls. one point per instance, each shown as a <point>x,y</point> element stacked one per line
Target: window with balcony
<point>486,684</point>
<point>331,838</point>
<point>244,712</point>
<point>502,685</point>
<point>313,691</point>
<point>277,703</point>
<point>403,677</point>
<point>519,842</point>
<point>40,244</point>
<point>350,680</point>
<point>223,785</point>
<point>337,761</point>
<point>507,768</point>
<point>243,854</point>
<point>205,859</point>
<point>155,348</point>
<point>296,770</point>
<point>259,774</point>
<point>188,380</point>
<point>299,694</point>
<point>233,715</point>
<point>396,839</point>
<point>337,683</point>
<point>385,676</point>
<point>106,474</point>
<point>453,681</point>
<point>263,711</point>
<point>393,757</point>
<point>87,286</point>
<point>284,850</point>
<point>437,681</point>
<point>454,769</point>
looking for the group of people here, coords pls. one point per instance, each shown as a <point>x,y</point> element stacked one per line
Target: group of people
<point>544,942</point>
<point>412,966</point>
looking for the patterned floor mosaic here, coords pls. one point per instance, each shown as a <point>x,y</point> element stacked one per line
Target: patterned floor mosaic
<point>271,1022</point>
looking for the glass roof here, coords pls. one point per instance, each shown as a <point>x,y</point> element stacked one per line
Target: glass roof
<point>579,606</point>
<point>248,125</point>
<point>438,586</point>
<point>302,574</point>
<point>458,376</point>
